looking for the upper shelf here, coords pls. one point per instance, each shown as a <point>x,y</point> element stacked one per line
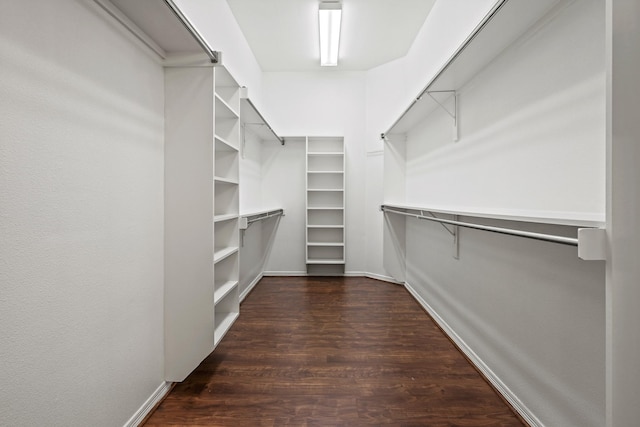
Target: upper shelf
<point>161,26</point>
<point>572,219</point>
<point>250,116</point>
<point>501,27</point>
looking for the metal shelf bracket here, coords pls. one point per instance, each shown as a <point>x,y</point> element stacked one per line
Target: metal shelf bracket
<point>453,114</point>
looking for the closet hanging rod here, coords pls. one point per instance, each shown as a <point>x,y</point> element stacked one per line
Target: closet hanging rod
<point>213,55</point>
<point>248,219</point>
<point>571,241</point>
<point>265,121</point>
<point>496,8</point>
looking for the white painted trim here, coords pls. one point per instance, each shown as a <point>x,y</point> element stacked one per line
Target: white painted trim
<point>354,274</point>
<point>383,278</point>
<point>513,400</point>
<point>255,281</point>
<point>147,406</point>
<point>285,273</point>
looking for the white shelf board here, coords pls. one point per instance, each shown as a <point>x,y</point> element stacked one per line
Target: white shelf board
<point>225,180</point>
<point>325,226</point>
<point>329,244</point>
<point>227,217</point>
<point>324,208</point>
<point>501,27</point>
<point>333,172</point>
<point>574,219</point>
<point>261,212</point>
<point>224,77</point>
<point>224,110</point>
<point>223,253</point>
<point>223,322</point>
<point>223,290</point>
<point>157,22</point>
<point>325,153</point>
<point>326,189</point>
<point>325,261</point>
<point>223,145</point>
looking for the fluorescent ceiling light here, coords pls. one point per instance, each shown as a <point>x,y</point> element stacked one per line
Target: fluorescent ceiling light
<point>329,18</point>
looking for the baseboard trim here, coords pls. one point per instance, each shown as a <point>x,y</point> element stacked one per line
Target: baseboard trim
<point>482,367</point>
<point>148,405</point>
<point>383,278</point>
<point>246,292</point>
<point>285,273</point>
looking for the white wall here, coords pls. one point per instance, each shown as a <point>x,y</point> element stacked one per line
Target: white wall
<point>81,218</point>
<point>531,312</point>
<point>623,205</point>
<point>531,128</point>
<point>391,87</point>
<point>325,103</point>
<point>215,22</point>
<point>283,186</point>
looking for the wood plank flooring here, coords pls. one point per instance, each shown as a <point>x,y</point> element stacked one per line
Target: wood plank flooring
<point>333,352</point>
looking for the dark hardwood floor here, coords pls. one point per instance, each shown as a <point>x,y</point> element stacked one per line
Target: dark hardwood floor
<point>333,352</point>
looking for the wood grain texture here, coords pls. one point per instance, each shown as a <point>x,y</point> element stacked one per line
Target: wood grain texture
<point>333,352</point>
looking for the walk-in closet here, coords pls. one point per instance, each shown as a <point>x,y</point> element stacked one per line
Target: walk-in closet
<point>210,217</point>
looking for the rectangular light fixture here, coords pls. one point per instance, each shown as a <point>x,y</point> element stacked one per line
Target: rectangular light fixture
<point>329,18</point>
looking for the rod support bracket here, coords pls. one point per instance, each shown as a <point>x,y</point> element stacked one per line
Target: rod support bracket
<point>453,114</point>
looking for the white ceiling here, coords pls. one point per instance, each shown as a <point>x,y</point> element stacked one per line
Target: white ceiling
<point>283,34</point>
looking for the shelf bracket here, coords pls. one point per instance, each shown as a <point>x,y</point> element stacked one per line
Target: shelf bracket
<point>453,114</point>
<point>454,231</point>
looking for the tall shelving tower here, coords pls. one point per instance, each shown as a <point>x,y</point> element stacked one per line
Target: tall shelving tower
<point>325,205</point>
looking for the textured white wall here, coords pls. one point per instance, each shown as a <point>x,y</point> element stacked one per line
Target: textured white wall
<point>216,23</point>
<point>81,218</point>
<point>327,103</point>
<point>532,138</point>
<point>531,127</point>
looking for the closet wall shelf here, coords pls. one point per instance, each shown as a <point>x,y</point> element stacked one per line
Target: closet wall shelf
<point>253,120</point>
<point>223,290</point>
<point>246,219</point>
<point>161,26</point>
<point>325,261</point>
<point>325,153</point>
<point>591,241</point>
<point>224,110</point>
<point>223,180</point>
<point>223,253</point>
<point>221,218</point>
<point>501,27</point>
<point>223,144</point>
<point>223,321</point>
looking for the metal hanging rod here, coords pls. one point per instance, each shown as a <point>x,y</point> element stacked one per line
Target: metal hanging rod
<point>213,55</point>
<point>247,220</point>
<point>571,241</point>
<point>492,13</point>
<point>264,120</point>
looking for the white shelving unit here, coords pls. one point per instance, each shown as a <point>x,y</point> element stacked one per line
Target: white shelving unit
<point>202,125</point>
<point>226,202</point>
<point>325,205</point>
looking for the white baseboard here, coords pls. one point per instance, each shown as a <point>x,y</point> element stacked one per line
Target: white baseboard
<point>509,396</point>
<point>285,273</point>
<point>255,281</point>
<point>147,406</point>
<point>383,278</point>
